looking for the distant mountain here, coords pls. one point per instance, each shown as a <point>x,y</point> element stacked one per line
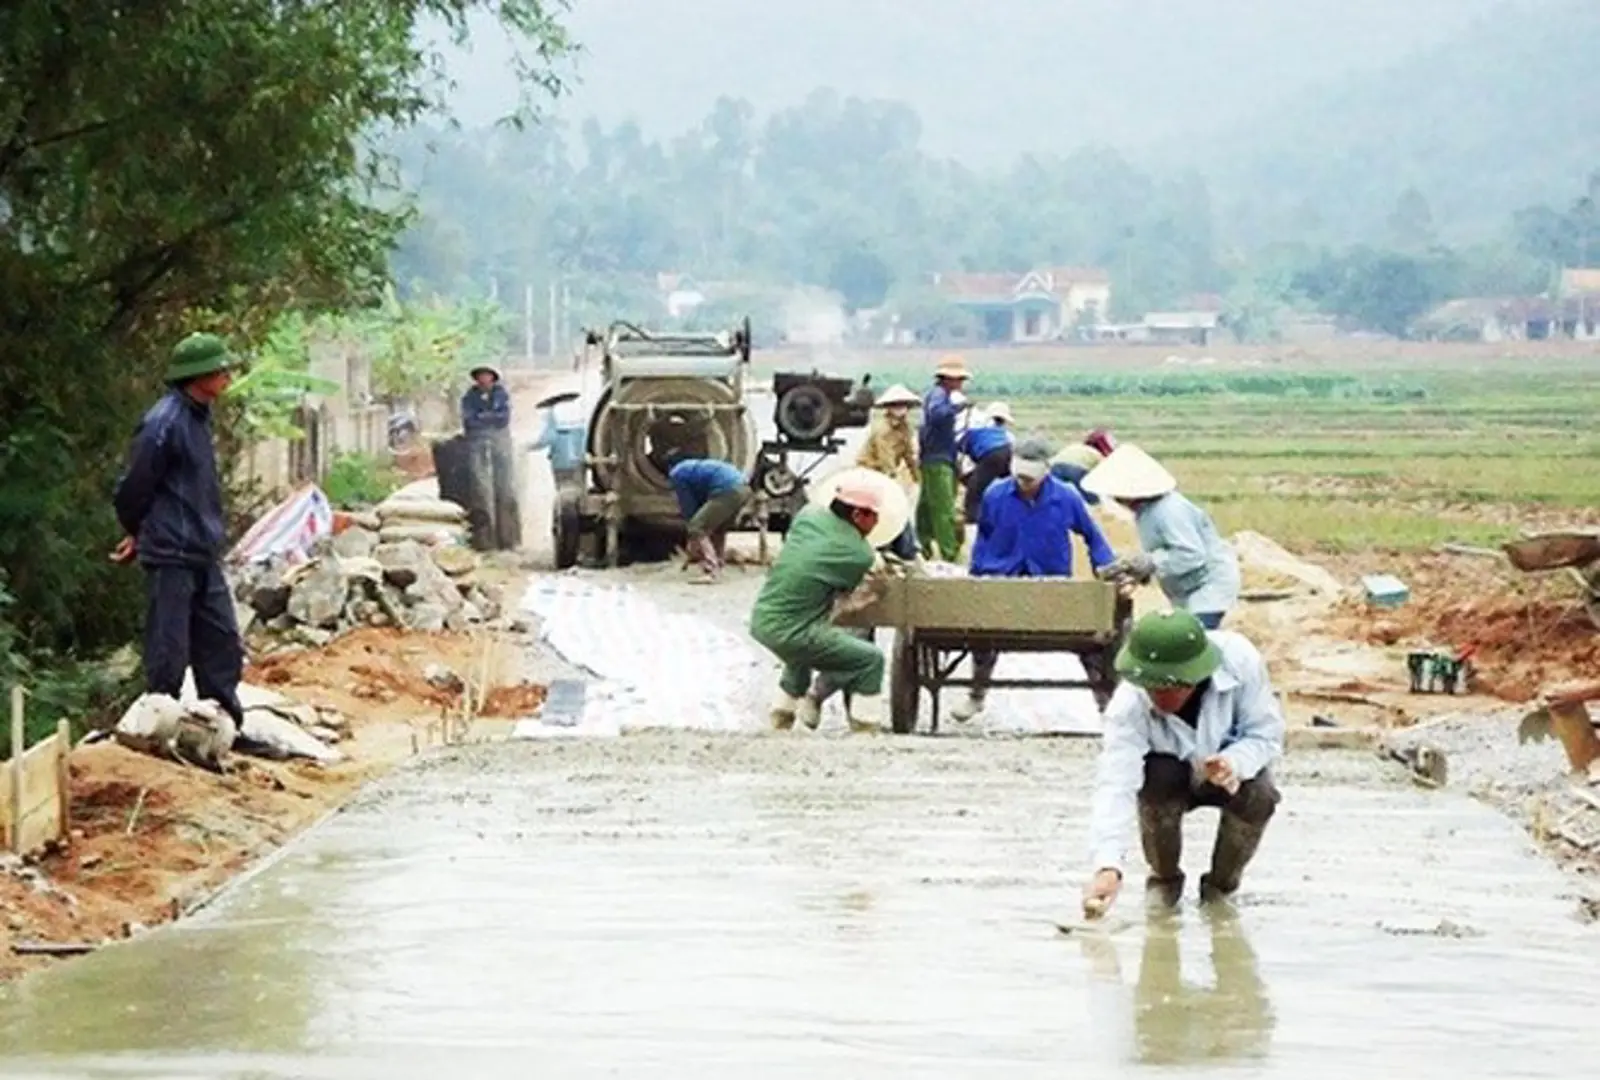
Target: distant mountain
<point>1501,116</point>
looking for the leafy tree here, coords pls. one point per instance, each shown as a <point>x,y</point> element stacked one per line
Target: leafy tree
<point>860,277</point>
<point>170,165</point>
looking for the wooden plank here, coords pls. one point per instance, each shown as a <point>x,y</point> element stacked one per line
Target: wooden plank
<point>33,814</point>
<point>15,772</point>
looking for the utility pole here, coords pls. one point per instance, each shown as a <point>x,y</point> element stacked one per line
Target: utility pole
<point>566,315</point>
<point>527,324</point>
<point>552,318</point>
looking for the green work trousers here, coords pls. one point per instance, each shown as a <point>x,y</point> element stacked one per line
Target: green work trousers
<point>844,660</point>
<point>719,512</point>
<point>936,513</point>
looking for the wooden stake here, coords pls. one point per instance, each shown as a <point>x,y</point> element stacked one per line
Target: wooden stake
<point>64,776</point>
<point>18,738</point>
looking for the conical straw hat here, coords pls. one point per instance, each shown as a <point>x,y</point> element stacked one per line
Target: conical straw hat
<point>1079,454</point>
<point>1129,473</point>
<point>894,509</point>
<point>896,395</point>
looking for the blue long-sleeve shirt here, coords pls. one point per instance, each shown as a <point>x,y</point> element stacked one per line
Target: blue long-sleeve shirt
<point>1021,537</point>
<point>1072,474</point>
<point>979,442</point>
<point>565,442</point>
<point>936,438</point>
<point>485,410</point>
<point>169,498</point>
<point>699,480</point>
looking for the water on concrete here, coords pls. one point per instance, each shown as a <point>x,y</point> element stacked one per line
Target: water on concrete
<point>675,905</point>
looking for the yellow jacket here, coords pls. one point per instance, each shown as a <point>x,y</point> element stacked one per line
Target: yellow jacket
<point>891,449</point>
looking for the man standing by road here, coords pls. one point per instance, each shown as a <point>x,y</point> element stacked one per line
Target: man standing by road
<point>942,406</point>
<point>825,556</point>
<point>169,504</point>
<point>711,493</point>
<point>1195,722</point>
<point>1025,527</point>
<point>486,419</point>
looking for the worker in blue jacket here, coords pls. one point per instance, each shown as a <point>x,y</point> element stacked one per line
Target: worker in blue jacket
<point>169,504</point>
<point>494,515</point>
<point>988,447</point>
<point>565,439</point>
<point>711,495</point>
<point>1025,527</point>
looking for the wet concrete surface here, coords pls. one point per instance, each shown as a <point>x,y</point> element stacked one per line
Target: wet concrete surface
<point>679,905</point>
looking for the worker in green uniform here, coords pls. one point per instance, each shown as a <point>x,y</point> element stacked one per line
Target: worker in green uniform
<point>825,555</point>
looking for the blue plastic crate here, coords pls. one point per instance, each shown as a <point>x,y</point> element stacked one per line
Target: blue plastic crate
<point>1385,590</point>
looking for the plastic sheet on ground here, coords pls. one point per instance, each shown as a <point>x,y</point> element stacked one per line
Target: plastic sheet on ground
<point>288,530</point>
<point>653,668</point>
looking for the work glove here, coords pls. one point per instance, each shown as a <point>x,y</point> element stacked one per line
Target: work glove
<point>958,399</point>
<point>1135,568</point>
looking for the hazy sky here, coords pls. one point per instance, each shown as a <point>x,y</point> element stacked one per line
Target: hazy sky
<point>989,77</point>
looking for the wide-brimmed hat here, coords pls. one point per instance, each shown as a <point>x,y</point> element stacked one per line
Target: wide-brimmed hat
<point>1082,455</point>
<point>999,410</point>
<point>1130,473</point>
<point>1168,648</point>
<point>484,367</point>
<point>894,509</point>
<point>896,395</point>
<point>952,367</point>
<point>198,355</point>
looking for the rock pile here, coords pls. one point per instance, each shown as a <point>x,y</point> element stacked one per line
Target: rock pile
<point>402,566</point>
<point>201,733</point>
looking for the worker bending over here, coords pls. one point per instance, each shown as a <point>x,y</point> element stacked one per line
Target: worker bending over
<point>825,556</point>
<point>1072,464</point>
<point>1195,567</point>
<point>988,447</point>
<point>1025,527</point>
<point>711,495</point>
<point>1193,723</point>
<point>942,406</point>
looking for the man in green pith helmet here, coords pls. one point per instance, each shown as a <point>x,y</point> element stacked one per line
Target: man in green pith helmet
<point>1195,722</point>
<point>169,503</point>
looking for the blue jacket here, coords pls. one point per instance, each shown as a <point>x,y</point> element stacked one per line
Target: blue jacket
<point>979,442</point>
<point>484,412</point>
<point>1070,473</point>
<point>936,438</point>
<point>1020,537</point>
<point>565,442</point>
<point>699,480</point>
<point>169,499</point>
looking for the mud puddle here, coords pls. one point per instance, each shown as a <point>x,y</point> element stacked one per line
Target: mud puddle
<point>681,905</point>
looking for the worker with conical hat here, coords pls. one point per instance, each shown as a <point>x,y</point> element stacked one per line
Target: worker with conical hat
<point>1196,568</point>
<point>891,446</point>
<point>828,551</point>
<point>942,408</point>
<point>169,504</point>
<point>1194,722</point>
<point>988,446</point>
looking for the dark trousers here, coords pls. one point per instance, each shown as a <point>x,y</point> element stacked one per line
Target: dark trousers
<point>1168,794</point>
<point>1211,620</point>
<point>190,624</point>
<point>494,516</point>
<point>995,465</point>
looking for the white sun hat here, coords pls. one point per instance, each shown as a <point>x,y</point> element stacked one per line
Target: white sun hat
<point>894,509</point>
<point>1129,473</point>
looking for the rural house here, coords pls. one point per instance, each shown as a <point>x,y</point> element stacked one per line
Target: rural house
<point>1040,305</point>
<point>1514,318</point>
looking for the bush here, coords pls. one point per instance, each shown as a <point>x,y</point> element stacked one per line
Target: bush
<point>359,480</point>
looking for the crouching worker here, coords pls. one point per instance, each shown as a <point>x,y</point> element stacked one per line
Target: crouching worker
<point>827,554</point>
<point>1194,723</point>
<point>711,495</point>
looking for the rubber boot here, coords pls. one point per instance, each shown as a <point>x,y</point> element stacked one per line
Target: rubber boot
<point>783,710</point>
<point>1161,836</point>
<point>1236,845</point>
<point>809,711</point>
<point>967,709</point>
<point>867,714</point>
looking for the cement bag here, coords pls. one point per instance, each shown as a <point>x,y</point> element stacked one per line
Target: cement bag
<point>392,509</point>
<point>199,732</point>
<point>423,533</point>
<point>268,735</point>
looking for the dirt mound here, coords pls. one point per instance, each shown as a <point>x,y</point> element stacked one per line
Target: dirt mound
<point>513,702</point>
<point>1527,632</point>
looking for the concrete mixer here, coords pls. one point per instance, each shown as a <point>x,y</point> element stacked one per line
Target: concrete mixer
<point>659,393</point>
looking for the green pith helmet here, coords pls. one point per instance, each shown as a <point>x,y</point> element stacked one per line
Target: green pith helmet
<point>197,355</point>
<point>1168,648</point>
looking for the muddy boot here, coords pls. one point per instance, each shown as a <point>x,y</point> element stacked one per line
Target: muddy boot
<point>867,714</point>
<point>809,711</point>
<point>1161,836</point>
<point>968,708</point>
<point>1236,845</point>
<point>782,712</point>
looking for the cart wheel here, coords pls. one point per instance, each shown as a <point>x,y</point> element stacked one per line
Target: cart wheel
<point>566,529</point>
<point>903,684</point>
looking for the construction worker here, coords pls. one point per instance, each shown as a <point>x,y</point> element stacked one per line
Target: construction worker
<point>564,437</point>
<point>1072,464</point>
<point>711,494</point>
<point>891,449</point>
<point>828,552</point>
<point>1025,524</point>
<point>942,407</point>
<point>1194,722</point>
<point>1196,569</point>
<point>169,504</point>
<point>486,420</point>
<point>988,447</point>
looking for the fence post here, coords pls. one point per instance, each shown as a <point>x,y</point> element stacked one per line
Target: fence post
<point>18,737</point>
<point>64,775</point>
